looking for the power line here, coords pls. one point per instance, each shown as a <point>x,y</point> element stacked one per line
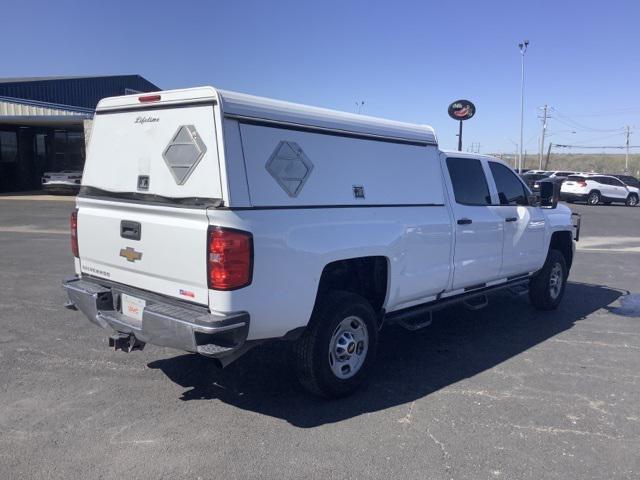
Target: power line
<point>605,137</point>
<point>578,126</point>
<point>619,147</point>
<point>606,113</point>
<point>565,118</point>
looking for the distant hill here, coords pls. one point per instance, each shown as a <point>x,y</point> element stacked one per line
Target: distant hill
<point>585,162</point>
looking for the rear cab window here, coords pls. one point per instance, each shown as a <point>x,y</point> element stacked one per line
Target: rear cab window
<point>468,181</point>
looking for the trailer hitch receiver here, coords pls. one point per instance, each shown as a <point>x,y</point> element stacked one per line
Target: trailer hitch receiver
<point>125,342</point>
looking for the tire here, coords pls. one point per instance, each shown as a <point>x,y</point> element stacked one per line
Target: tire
<point>546,288</point>
<point>342,325</point>
<point>593,198</point>
<point>632,200</point>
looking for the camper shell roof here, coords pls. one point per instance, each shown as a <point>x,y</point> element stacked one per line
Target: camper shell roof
<point>265,110</point>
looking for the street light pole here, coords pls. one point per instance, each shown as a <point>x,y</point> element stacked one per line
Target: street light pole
<point>523,49</point>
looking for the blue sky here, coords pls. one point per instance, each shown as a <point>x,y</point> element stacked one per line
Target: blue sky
<point>407,60</point>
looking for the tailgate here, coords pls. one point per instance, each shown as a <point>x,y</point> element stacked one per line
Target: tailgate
<point>169,258</point>
<point>151,172</point>
<point>570,186</point>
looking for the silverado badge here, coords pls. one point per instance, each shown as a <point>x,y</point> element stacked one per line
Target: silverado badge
<point>130,254</point>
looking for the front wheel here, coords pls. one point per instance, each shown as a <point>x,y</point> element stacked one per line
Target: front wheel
<point>547,286</point>
<point>336,352</point>
<point>632,200</point>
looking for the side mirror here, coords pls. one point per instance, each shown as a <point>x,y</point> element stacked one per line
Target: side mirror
<point>548,195</point>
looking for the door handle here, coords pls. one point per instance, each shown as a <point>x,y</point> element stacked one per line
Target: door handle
<point>511,219</point>
<point>130,230</point>
<point>465,221</point>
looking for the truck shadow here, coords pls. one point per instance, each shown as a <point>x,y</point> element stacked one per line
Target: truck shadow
<point>410,365</point>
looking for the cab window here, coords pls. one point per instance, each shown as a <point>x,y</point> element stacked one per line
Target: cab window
<point>602,180</point>
<point>616,182</point>
<point>468,181</point>
<point>511,190</point>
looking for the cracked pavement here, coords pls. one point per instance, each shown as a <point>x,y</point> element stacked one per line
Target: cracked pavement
<point>505,392</point>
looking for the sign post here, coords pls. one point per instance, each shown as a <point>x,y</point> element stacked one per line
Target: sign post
<point>461,110</point>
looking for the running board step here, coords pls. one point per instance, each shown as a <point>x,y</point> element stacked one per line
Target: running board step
<point>476,303</point>
<point>413,323</point>
<point>519,289</point>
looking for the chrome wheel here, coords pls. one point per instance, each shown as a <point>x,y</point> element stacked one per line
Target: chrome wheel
<point>348,347</point>
<point>555,281</point>
<point>632,201</point>
<point>594,199</point>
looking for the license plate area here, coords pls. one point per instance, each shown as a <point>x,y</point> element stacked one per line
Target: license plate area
<point>132,308</point>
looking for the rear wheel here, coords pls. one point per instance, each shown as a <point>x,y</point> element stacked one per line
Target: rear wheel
<point>593,198</point>
<point>547,286</point>
<point>336,352</point>
<point>632,200</point>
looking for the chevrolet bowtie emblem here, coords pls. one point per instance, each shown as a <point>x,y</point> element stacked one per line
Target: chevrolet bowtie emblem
<point>130,254</point>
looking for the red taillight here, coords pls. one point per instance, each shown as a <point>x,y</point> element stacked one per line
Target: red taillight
<point>230,258</point>
<point>582,183</point>
<point>149,98</point>
<point>73,223</point>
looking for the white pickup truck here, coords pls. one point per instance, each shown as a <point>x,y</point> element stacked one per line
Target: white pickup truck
<point>211,221</point>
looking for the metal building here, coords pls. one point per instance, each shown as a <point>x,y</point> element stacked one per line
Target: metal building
<point>43,122</point>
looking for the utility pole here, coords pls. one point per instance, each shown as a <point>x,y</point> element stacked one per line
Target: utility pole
<point>546,163</point>
<point>515,153</point>
<point>523,48</point>
<point>626,157</point>
<point>542,132</point>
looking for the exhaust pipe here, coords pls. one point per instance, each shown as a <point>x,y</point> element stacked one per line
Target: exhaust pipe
<point>125,342</point>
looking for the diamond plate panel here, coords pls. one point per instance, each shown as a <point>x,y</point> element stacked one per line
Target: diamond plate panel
<point>290,167</point>
<point>184,152</point>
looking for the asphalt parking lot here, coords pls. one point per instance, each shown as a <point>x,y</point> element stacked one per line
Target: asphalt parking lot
<point>506,392</point>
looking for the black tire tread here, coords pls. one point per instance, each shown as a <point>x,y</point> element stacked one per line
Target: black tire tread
<point>305,347</point>
<point>538,286</point>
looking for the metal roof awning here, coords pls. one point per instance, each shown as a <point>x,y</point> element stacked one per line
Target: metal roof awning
<point>44,120</point>
<point>18,111</point>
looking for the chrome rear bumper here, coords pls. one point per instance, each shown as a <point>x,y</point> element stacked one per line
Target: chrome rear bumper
<point>164,322</point>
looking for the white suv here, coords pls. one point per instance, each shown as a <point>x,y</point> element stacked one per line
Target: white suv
<point>594,189</point>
